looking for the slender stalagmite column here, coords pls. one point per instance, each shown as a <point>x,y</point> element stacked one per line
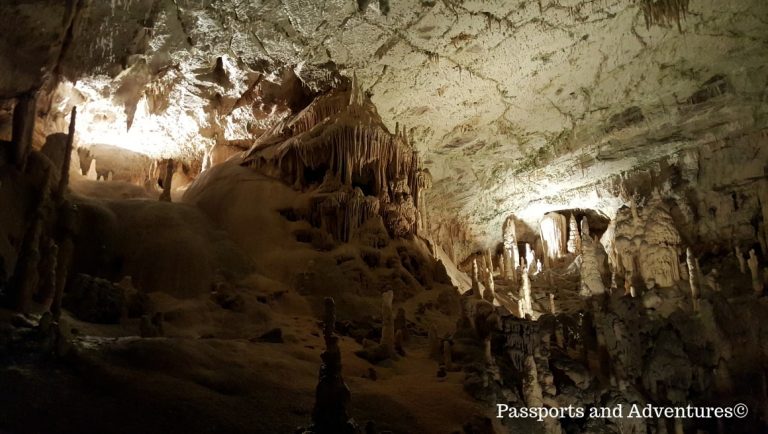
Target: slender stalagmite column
<point>332,396</point>
<point>24,115</point>
<point>447,359</point>
<point>761,237</point>
<point>387,324</point>
<point>574,238</point>
<point>525,297</point>
<point>693,278</point>
<point>167,180</point>
<point>530,258</point>
<point>509,239</point>
<point>68,148</point>
<point>92,173</point>
<point>585,227</point>
<point>552,304</point>
<point>434,342</point>
<point>502,266</point>
<point>740,257</point>
<point>534,396</point>
<point>66,224</point>
<point>757,284</point>
<point>490,289</point>
<point>475,280</point>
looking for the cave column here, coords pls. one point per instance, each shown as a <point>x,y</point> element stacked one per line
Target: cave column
<point>509,249</point>
<point>757,284</point>
<point>24,115</point>
<point>693,278</point>
<point>165,196</point>
<point>387,324</point>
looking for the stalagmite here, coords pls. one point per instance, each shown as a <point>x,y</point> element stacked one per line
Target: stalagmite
<point>585,228</point>
<point>533,394</point>
<point>509,246</point>
<point>574,238</point>
<point>24,116</point>
<point>552,308</point>
<point>165,196</point>
<point>92,174</point>
<point>475,280</point>
<point>742,262</point>
<point>435,345</point>
<point>66,232</point>
<point>387,324</point>
<point>47,289</point>
<point>757,284</point>
<point>530,259</point>
<point>447,357</point>
<point>68,149</point>
<point>693,278</point>
<point>553,229</point>
<point>591,279</point>
<point>762,238</point>
<point>502,266</point>
<point>490,289</point>
<point>332,395</point>
<point>647,243</point>
<point>526,304</point>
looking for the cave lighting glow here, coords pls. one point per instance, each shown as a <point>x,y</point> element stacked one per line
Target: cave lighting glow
<point>101,121</point>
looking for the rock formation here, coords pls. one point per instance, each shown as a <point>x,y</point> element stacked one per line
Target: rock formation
<point>332,395</point>
<point>554,230</point>
<point>387,324</point>
<point>647,244</point>
<point>757,284</point>
<point>574,237</point>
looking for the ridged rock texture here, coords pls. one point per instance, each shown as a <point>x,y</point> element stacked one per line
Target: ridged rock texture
<point>515,106</point>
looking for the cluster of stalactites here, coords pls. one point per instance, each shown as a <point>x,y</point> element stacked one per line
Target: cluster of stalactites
<point>664,11</point>
<point>343,133</point>
<point>553,229</point>
<point>647,244</point>
<point>341,212</point>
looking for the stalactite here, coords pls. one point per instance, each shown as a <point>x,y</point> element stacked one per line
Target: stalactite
<point>343,131</point>
<point>509,241</point>
<point>664,11</point>
<point>553,230</point>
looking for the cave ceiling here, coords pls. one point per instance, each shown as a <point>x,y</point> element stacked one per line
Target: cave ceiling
<point>514,105</point>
